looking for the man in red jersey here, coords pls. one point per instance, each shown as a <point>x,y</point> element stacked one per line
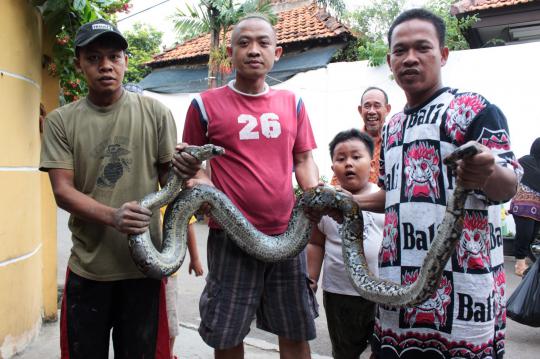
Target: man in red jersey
<point>266,133</point>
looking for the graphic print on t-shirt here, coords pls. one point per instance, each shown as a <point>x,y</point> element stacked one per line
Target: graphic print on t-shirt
<point>499,298</point>
<point>114,161</point>
<point>268,125</point>
<point>436,312</point>
<point>496,139</point>
<point>423,179</point>
<point>388,255</point>
<point>473,251</point>
<point>461,111</point>
<point>394,134</point>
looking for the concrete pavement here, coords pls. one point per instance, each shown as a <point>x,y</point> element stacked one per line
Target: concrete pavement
<point>189,345</point>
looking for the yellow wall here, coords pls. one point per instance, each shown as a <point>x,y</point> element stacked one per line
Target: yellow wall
<point>49,98</point>
<point>27,229</point>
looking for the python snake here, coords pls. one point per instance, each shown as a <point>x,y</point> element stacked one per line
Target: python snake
<point>156,264</point>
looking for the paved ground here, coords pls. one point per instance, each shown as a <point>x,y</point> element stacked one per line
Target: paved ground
<point>523,342</point>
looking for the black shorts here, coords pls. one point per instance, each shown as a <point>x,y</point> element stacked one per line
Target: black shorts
<point>350,324</point>
<point>133,308</point>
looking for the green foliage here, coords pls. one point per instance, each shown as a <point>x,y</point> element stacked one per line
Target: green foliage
<point>337,5</point>
<point>349,53</point>
<point>216,17</point>
<point>454,26</point>
<point>144,41</point>
<point>62,19</point>
<point>374,51</point>
<point>372,22</point>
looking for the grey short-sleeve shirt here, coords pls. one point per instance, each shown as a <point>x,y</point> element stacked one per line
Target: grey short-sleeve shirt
<point>114,153</point>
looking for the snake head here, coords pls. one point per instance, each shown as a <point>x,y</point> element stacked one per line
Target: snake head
<point>467,150</point>
<point>205,152</point>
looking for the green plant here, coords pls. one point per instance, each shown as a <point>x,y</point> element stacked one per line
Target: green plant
<point>62,19</point>
<point>372,21</point>
<point>144,41</point>
<point>374,51</point>
<point>454,26</point>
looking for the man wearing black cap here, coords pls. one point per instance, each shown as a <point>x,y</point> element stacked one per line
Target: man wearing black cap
<point>102,153</point>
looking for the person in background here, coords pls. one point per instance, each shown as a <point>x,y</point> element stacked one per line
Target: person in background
<point>465,317</point>
<point>102,153</point>
<point>525,207</point>
<point>373,109</point>
<point>350,318</point>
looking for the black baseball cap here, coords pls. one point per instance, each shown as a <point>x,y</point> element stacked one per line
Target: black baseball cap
<point>92,30</point>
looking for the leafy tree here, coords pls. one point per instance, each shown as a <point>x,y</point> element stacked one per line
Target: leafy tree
<point>454,26</point>
<point>62,19</point>
<point>372,22</point>
<point>144,41</point>
<point>338,6</point>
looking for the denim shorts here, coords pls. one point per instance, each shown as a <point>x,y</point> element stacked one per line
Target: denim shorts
<point>240,288</point>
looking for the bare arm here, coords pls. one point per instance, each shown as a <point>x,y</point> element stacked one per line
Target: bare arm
<point>372,202</point>
<point>481,172</point>
<point>195,264</point>
<point>315,255</point>
<point>130,218</point>
<point>501,185</point>
<point>307,172</point>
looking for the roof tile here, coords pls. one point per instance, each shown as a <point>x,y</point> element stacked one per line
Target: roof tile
<point>464,6</point>
<point>303,23</point>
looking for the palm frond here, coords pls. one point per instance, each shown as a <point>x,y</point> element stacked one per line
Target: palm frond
<point>263,7</point>
<point>191,22</point>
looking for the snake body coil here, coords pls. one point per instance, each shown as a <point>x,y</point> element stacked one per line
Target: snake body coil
<point>157,264</point>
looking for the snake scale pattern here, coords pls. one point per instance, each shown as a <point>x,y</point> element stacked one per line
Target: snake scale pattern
<point>156,264</point>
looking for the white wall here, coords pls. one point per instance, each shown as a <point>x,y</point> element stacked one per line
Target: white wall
<point>508,76</point>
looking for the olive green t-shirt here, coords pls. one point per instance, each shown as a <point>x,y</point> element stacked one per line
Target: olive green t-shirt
<point>114,152</point>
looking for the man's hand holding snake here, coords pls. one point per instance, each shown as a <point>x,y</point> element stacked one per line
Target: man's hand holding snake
<point>185,165</point>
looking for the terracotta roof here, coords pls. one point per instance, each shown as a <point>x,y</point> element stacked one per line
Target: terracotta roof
<point>477,5</point>
<point>304,23</point>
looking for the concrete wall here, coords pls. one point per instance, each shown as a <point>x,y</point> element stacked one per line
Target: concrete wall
<point>26,218</point>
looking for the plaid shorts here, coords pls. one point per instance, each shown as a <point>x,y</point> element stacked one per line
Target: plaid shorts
<point>240,287</point>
